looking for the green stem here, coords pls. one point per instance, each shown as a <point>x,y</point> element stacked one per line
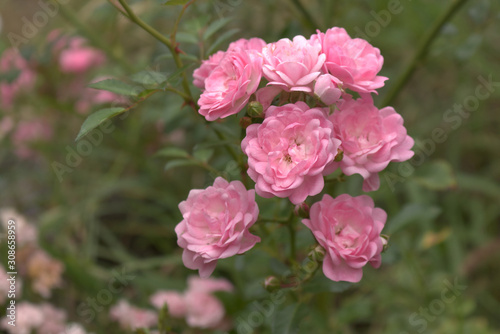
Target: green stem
<point>310,21</point>
<point>93,38</point>
<point>291,229</point>
<point>422,50</point>
<point>156,34</point>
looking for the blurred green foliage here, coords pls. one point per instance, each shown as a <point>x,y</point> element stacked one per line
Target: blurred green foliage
<point>118,207</point>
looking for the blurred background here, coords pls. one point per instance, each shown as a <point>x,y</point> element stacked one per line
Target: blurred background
<point>107,205</point>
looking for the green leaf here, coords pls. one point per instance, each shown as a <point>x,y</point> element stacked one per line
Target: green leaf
<point>180,163</point>
<point>216,26</point>
<point>149,77</point>
<point>172,152</point>
<point>116,86</point>
<point>287,320</point>
<point>96,119</point>
<point>175,2</point>
<point>436,175</point>
<point>186,38</point>
<point>203,154</point>
<point>412,213</point>
<point>228,34</point>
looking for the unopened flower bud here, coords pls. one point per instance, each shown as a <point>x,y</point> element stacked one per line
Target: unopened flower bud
<point>255,110</point>
<point>302,210</point>
<point>272,283</point>
<point>339,156</point>
<point>385,242</point>
<point>245,122</point>
<point>317,254</point>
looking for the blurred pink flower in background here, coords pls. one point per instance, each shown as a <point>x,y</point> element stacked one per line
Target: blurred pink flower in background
<point>348,228</point>
<point>353,61</point>
<point>12,61</point>
<point>175,302</point>
<point>27,234</point>
<point>45,272</point>
<point>209,285</point>
<point>28,317</point>
<point>77,57</point>
<point>371,138</point>
<point>54,319</point>
<point>293,65</point>
<point>131,317</point>
<point>27,133</point>
<point>215,224</point>
<point>203,310</point>
<point>289,153</point>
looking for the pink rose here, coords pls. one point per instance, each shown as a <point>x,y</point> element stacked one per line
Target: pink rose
<point>215,224</point>
<point>289,153</point>
<point>230,85</point>
<point>175,302</point>
<point>131,317</point>
<point>203,310</point>
<point>371,138</point>
<point>348,228</point>
<point>293,65</point>
<point>353,61</point>
<point>24,80</point>
<point>207,66</point>
<point>326,89</point>
<point>78,58</point>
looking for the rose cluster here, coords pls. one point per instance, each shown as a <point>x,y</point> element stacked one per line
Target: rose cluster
<point>310,112</point>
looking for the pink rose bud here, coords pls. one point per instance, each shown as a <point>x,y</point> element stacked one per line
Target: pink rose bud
<point>289,153</point>
<point>348,228</point>
<point>371,138</point>
<point>272,283</point>
<point>216,224</point>
<point>230,85</point>
<point>326,89</point>
<point>353,61</point>
<point>293,65</point>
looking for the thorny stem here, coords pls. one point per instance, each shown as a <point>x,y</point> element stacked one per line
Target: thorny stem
<point>173,48</point>
<point>422,50</point>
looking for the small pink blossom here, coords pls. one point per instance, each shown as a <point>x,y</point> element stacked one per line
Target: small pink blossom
<point>27,233</point>
<point>174,300</point>
<point>207,66</point>
<point>209,285</point>
<point>348,228</point>
<point>230,85</point>
<point>12,60</point>
<point>371,138</point>
<point>289,153</point>
<point>293,65</point>
<point>79,58</point>
<point>131,317</point>
<point>215,224</point>
<point>54,319</point>
<point>203,310</point>
<point>353,61</point>
<point>326,89</point>
<point>45,272</point>
<point>30,132</point>
<point>28,317</point>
